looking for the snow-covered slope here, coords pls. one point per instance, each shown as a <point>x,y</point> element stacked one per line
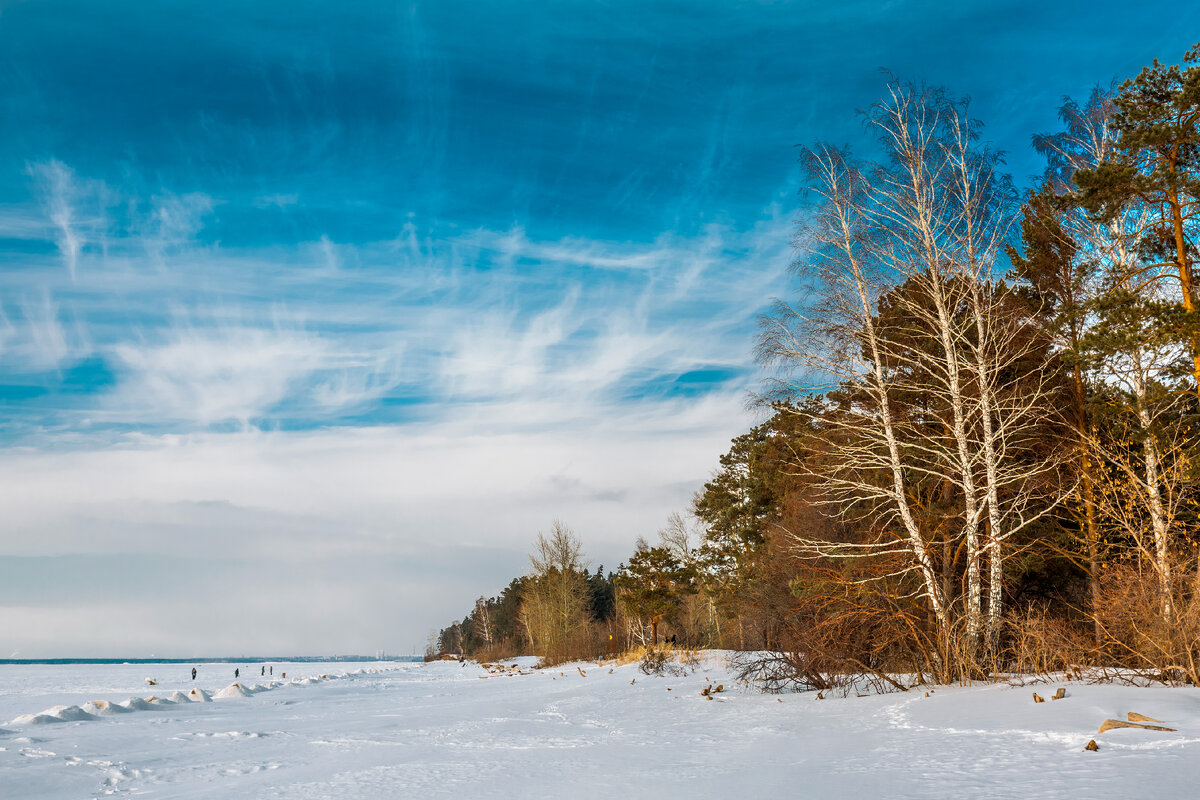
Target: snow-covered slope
<point>585,731</point>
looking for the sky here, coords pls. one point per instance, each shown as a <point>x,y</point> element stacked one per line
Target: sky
<point>313,315</point>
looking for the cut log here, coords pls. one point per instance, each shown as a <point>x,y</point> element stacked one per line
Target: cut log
<point>1060,694</point>
<point>1037,698</point>
<point>1091,745</point>
<point>1136,717</point>
<point>1109,724</point>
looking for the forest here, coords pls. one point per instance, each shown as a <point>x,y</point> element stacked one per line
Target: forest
<point>978,453</point>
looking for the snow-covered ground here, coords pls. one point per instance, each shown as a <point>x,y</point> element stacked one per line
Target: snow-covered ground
<point>600,731</point>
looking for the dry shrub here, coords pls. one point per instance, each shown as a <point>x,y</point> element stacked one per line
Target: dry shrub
<point>1041,645</point>
<point>667,660</point>
<point>593,642</point>
<point>498,651</point>
<point>842,624</point>
<point>1142,639</point>
<point>780,671</point>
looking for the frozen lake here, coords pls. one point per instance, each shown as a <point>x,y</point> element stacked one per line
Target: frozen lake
<point>25,688</point>
<point>446,729</point>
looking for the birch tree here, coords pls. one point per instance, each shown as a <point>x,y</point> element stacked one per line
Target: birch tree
<point>938,394</point>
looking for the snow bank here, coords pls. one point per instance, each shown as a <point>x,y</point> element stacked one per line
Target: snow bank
<point>199,696</point>
<point>178,697</point>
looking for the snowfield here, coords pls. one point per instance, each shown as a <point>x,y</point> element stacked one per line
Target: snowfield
<point>576,731</point>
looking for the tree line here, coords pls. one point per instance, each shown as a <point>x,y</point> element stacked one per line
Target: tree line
<point>979,447</point>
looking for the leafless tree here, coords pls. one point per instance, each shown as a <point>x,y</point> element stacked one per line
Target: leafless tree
<point>921,231</point>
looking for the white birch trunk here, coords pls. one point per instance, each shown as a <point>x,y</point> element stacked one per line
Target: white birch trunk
<point>1158,515</point>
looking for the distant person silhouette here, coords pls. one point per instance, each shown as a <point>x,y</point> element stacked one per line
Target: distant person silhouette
<point>272,670</point>
<point>193,673</point>
<point>237,673</point>
<point>264,671</point>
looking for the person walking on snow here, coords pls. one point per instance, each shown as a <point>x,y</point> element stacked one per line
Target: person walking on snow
<point>237,673</point>
<point>193,673</point>
<point>264,671</point>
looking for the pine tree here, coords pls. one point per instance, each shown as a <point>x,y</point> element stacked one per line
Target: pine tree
<point>1156,163</point>
<point>652,586</point>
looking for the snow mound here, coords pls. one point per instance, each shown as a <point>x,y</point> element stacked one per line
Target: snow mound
<point>35,719</point>
<point>232,690</point>
<point>68,713</point>
<point>308,681</point>
<point>137,704</point>
<point>103,708</point>
<point>199,696</point>
<point>159,701</point>
<point>178,697</point>
<point>258,687</point>
<point>55,714</point>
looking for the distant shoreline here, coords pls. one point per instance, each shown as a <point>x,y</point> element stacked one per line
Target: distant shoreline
<point>206,660</point>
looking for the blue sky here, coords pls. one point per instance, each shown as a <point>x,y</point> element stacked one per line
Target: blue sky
<point>311,316</point>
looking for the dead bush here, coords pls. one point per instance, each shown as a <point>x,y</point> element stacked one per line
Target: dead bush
<point>664,661</point>
<point>1149,637</point>
<point>1041,645</point>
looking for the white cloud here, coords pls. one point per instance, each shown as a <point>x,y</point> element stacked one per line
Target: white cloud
<point>34,339</point>
<point>173,221</point>
<point>60,193</point>
<point>524,358</point>
<point>206,376</point>
<point>276,200</point>
<point>395,529</point>
<point>19,222</point>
